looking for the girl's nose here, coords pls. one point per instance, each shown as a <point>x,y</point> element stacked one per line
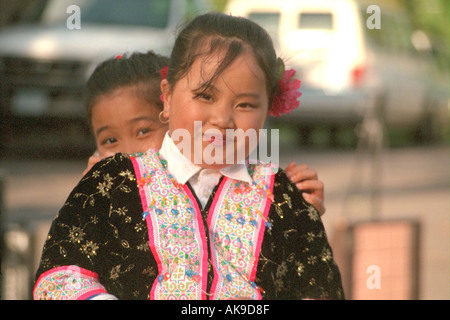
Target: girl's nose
<point>131,147</point>
<point>222,116</point>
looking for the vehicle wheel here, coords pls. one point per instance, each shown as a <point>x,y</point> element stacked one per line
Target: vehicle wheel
<point>342,136</point>
<point>305,135</point>
<point>425,131</point>
<point>333,140</point>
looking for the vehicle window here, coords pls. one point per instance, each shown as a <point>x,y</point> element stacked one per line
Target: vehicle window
<point>269,21</point>
<point>151,13</point>
<point>315,21</point>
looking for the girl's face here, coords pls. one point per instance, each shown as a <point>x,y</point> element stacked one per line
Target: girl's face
<point>126,123</point>
<point>237,99</point>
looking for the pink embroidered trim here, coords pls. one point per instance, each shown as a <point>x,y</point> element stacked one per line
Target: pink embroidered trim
<point>181,274</point>
<point>204,251</point>
<point>237,232</point>
<point>67,283</point>
<point>266,209</point>
<point>138,169</point>
<point>219,194</point>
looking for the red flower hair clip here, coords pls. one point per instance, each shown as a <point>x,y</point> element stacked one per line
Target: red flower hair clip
<point>287,97</point>
<point>163,73</point>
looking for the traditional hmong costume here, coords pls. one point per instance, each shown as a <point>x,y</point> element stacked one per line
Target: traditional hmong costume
<point>134,230</point>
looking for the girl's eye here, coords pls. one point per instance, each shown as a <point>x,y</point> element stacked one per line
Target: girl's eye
<point>110,141</point>
<point>245,105</point>
<point>203,96</point>
<point>143,131</point>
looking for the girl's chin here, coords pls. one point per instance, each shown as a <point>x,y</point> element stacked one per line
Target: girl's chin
<point>214,166</point>
<point>213,157</point>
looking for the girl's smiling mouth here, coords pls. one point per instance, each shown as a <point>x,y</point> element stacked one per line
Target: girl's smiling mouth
<point>217,140</point>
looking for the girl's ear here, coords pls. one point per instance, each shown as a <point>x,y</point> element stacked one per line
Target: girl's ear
<point>166,95</point>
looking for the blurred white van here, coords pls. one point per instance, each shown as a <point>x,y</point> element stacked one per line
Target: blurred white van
<point>351,56</point>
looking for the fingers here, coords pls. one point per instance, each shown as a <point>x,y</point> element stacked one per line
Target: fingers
<point>315,202</point>
<point>108,154</point>
<point>306,180</point>
<point>87,170</point>
<point>299,173</point>
<point>91,161</point>
<point>313,191</point>
<point>290,167</point>
<point>315,187</point>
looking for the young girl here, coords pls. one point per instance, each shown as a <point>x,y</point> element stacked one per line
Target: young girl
<point>139,227</point>
<point>122,98</point>
<point>123,102</point>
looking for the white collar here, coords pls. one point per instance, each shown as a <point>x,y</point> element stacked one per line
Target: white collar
<point>183,169</point>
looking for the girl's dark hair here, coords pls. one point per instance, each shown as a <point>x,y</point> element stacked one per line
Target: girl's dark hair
<point>220,33</point>
<point>140,69</point>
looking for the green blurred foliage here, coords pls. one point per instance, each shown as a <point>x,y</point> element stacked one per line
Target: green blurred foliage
<point>219,4</point>
<point>433,17</point>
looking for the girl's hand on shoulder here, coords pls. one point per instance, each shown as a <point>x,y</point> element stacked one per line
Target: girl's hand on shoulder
<point>94,159</point>
<point>306,180</point>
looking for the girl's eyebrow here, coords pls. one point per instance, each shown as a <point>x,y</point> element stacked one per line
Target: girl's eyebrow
<point>202,89</point>
<point>141,118</point>
<point>101,129</point>
<point>249,95</point>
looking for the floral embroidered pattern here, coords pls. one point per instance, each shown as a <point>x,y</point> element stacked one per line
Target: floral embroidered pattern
<point>175,232</point>
<point>68,283</point>
<point>177,236</point>
<point>236,224</point>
